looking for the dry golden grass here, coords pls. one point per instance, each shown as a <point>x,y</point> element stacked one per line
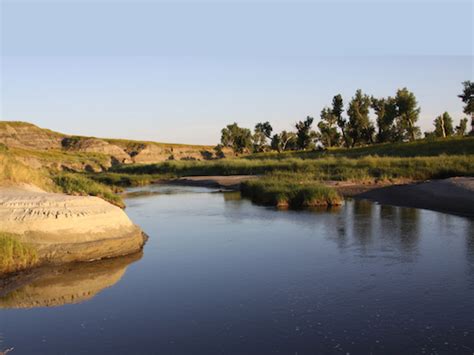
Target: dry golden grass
<point>12,172</point>
<point>15,255</point>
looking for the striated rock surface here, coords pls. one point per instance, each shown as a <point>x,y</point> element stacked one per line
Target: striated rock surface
<point>67,228</point>
<point>36,140</point>
<point>151,153</point>
<point>26,135</point>
<point>94,145</point>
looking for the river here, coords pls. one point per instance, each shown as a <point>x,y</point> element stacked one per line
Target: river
<point>220,275</point>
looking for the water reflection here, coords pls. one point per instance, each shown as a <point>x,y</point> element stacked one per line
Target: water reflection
<point>469,231</point>
<point>221,275</point>
<point>66,284</point>
<point>358,223</point>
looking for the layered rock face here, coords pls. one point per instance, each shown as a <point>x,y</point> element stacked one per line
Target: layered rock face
<point>27,136</point>
<point>66,228</point>
<point>94,145</point>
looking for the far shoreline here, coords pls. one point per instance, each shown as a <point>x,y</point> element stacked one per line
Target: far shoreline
<point>453,196</point>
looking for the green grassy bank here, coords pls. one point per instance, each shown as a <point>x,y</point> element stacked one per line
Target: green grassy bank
<point>327,168</point>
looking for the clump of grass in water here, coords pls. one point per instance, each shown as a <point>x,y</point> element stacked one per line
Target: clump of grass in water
<point>76,184</point>
<point>290,191</point>
<point>15,255</point>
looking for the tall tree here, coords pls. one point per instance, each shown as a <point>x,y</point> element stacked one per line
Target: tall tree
<point>467,97</point>
<point>461,129</point>
<point>288,140</point>
<point>408,112</point>
<point>337,110</point>
<point>237,138</point>
<point>443,126</point>
<point>304,134</point>
<point>262,132</point>
<point>360,129</point>
<point>329,136</point>
<point>386,111</point>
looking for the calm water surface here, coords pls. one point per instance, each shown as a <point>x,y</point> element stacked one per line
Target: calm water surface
<point>222,276</point>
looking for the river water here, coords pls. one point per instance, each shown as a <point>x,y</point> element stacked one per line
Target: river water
<point>220,275</point>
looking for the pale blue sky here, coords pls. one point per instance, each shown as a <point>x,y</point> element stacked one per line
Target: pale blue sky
<point>179,71</point>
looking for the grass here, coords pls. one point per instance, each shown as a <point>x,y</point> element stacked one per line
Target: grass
<point>419,148</point>
<point>60,157</point>
<point>287,190</point>
<point>328,168</point>
<point>15,255</point>
<point>13,171</point>
<point>120,180</point>
<point>297,183</point>
<point>79,184</point>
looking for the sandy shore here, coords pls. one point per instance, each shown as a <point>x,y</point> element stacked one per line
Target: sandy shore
<point>454,195</point>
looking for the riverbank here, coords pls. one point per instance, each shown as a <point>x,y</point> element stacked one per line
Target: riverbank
<point>453,195</point>
<point>232,182</point>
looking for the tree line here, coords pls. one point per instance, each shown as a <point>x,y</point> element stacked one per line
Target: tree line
<point>395,121</point>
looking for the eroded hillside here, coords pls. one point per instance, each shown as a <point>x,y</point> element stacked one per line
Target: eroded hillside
<point>41,147</point>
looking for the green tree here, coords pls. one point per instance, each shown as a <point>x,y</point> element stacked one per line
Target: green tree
<point>284,141</point>
<point>276,143</point>
<point>218,149</point>
<point>386,111</point>
<point>443,126</point>
<point>304,134</point>
<point>262,132</point>
<point>360,129</point>
<point>461,129</point>
<point>329,136</point>
<point>467,97</point>
<point>408,112</point>
<point>337,110</point>
<point>237,138</point>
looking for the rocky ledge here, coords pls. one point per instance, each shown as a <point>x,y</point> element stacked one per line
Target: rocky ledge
<point>66,228</point>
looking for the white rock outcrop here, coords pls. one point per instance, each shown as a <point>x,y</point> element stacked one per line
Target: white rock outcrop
<point>67,228</point>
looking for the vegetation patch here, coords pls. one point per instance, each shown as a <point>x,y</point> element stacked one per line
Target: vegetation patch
<point>290,191</point>
<point>327,168</point>
<point>13,171</point>
<point>78,184</point>
<point>15,255</point>
<point>120,180</point>
<point>418,148</point>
